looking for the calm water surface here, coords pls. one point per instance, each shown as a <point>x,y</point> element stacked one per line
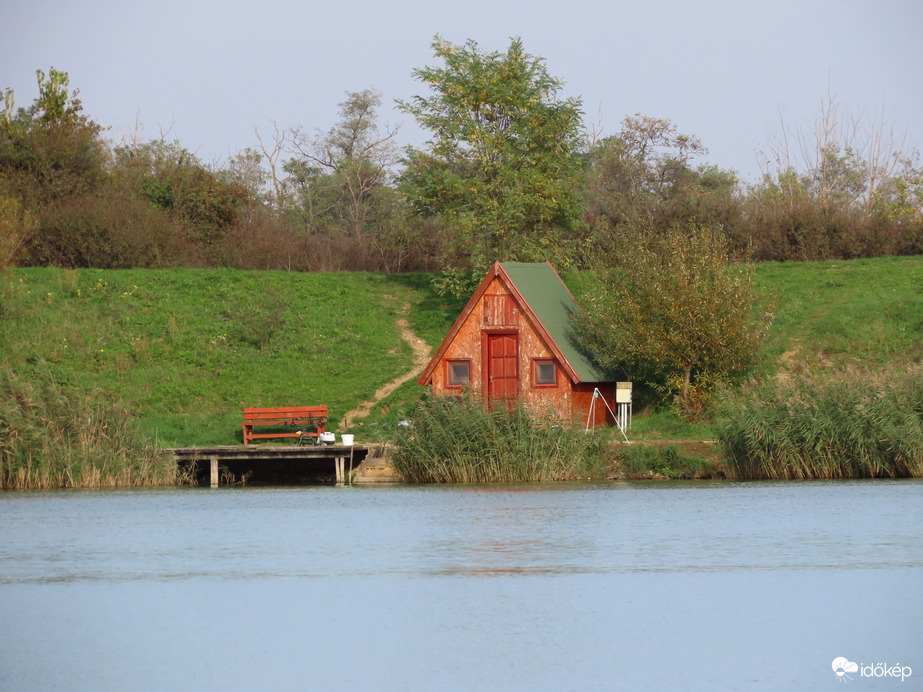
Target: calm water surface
<point>704,586</point>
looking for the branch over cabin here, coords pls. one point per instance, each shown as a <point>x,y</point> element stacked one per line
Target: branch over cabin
<point>515,338</point>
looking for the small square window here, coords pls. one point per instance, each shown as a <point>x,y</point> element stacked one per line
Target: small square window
<point>458,373</point>
<point>545,373</point>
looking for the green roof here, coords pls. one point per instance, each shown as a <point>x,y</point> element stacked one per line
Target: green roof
<point>552,303</point>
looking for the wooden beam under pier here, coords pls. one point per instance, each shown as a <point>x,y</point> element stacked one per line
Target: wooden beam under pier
<point>323,461</point>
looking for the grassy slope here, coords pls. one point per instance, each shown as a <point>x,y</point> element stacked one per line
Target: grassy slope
<point>836,313</point>
<point>182,347</point>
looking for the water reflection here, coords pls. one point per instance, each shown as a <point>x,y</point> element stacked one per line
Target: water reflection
<point>577,586</point>
<point>580,529</point>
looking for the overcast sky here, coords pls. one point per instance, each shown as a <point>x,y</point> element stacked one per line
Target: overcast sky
<point>727,71</point>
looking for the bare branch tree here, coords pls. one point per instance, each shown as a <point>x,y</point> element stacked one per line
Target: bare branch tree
<point>272,153</point>
<point>844,162</point>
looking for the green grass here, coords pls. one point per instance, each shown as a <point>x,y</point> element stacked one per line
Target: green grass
<point>186,350</point>
<point>648,461</point>
<point>667,424</point>
<point>844,313</point>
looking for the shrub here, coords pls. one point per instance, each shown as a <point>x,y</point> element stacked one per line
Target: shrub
<point>54,437</point>
<point>648,460</point>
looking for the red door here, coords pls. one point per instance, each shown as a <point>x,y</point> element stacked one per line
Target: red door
<point>502,366</point>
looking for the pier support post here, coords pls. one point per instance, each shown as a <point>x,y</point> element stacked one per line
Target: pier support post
<point>341,462</point>
<point>214,471</point>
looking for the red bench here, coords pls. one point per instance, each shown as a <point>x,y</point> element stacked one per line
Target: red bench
<point>284,416</point>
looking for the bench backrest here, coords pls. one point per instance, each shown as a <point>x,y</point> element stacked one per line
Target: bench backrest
<point>284,412</point>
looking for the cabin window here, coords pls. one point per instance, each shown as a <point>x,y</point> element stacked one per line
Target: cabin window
<point>544,373</point>
<point>458,373</point>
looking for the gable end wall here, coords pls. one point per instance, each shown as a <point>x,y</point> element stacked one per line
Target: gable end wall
<point>470,343</point>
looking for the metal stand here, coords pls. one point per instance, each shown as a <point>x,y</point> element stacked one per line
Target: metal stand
<point>621,421</point>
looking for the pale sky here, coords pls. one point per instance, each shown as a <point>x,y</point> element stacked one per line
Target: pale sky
<point>726,71</point>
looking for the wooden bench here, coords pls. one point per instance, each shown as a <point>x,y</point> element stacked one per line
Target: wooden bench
<point>284,416</point>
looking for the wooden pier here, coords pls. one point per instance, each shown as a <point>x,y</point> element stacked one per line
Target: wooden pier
<point>320,462</point>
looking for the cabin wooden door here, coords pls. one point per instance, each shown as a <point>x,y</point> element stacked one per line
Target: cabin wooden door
<point>502,366</point>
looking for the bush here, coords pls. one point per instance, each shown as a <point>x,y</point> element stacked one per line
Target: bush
<point>465,441</point>
<point>648,460</point>
<point>853,424</point>
<point>54,437</point>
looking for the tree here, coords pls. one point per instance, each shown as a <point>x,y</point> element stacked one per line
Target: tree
<point>272,153</point>
<point>245,169</point>
<point>674,309</point>
<point>50,150</point>
<point>643,177</point>
<point>52,170</point>
<point>175,181</point>
<point>502,163</point>
<point>347,168</point>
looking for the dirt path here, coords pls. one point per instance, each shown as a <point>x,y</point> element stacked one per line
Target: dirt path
<point>421,352</point>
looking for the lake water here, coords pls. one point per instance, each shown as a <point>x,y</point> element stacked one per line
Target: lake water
<point>613,586</point>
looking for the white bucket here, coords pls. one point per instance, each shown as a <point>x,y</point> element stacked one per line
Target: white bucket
<point>347,439</point>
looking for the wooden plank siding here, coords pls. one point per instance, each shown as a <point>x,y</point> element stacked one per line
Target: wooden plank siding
<point>508,352</point>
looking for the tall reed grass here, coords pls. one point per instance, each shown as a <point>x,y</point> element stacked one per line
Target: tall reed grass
<point>852,424</point>
<point>464,441</point>
<point>54,437</point>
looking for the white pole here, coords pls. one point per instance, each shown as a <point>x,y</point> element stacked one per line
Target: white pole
<point>591,414</point>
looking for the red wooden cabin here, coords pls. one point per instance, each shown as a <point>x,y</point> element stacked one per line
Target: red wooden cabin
<point>515,338</point>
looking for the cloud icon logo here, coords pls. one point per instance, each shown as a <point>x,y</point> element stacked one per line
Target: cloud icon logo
<point>841,666</point>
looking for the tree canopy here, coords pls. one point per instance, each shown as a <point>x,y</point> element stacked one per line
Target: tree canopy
<point>509,172</point>
<point>502,162</point>
<point>674,309</point>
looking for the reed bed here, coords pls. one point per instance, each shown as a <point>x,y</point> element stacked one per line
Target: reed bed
<point>54,437</point>
<point>852,424</point>
<point>462,440</point>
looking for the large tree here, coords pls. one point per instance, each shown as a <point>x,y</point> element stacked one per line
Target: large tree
<point>51,150</point>
<point>52,171</point>
<point>674,308</point>
<point>501,165</point>
<point>643,177</point>
<point>345,172</point>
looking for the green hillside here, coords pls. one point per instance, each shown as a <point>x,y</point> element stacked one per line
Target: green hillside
<point>866,312</point>
<point>186,350</point>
